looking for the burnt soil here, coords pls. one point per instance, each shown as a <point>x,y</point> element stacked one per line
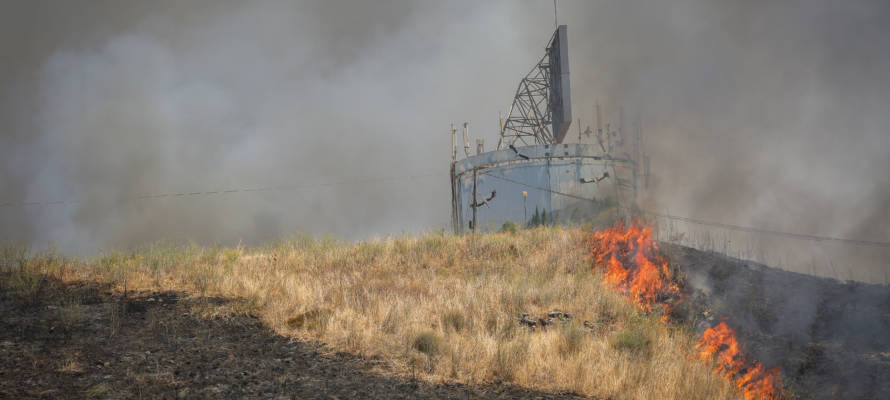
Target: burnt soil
<point>81,340</point>
<point>830,339</point>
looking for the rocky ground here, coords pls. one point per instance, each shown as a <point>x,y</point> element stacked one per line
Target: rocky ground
<point>831,339</point>
<point>84,341</point>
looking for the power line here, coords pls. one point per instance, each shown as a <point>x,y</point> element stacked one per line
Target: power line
<point>197,194</point>
<point>768,231</point>
<point>712,223</point>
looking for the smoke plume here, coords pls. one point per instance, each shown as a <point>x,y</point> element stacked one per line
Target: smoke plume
<point>769,114</point>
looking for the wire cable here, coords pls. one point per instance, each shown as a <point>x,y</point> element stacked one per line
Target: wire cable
<point>715,224</point>
<point>195,194</point>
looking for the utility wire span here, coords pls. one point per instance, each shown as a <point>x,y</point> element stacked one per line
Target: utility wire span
<point>768,231</point>
<point>192,194</point>
<point>714,224</point>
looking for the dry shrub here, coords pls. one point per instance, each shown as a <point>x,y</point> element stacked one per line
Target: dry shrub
<point>315,319</point>
<point>571,338</point>
<point>394,319</point>
<point>454,319</point>
<point>509,357</point>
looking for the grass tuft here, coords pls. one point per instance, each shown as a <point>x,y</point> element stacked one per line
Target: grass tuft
<point>455,320</point>
<point>572,338</point>
<point>427,342</point>
<point>315,319</point>
<point>633,340</point>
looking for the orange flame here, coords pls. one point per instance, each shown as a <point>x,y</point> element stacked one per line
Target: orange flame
<point>720,344</point>
<point>632,265</point>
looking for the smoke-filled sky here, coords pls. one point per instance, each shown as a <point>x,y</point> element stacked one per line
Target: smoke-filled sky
<point>769,114</point>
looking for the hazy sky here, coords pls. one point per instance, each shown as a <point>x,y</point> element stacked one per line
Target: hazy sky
<point>771,114</point>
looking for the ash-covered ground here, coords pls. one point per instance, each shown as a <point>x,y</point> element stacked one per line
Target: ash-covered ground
<point>831,339</point>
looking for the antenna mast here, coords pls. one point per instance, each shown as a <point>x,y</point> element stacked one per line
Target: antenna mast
<point>541,112</point>
<point>467,138</point>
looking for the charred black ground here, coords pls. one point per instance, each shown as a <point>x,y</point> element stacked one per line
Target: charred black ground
<point>167,345</point>
<point>831,339</point>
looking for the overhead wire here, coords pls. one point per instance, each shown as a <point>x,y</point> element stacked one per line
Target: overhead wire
<point>417,176</point>
<point>195,194</point>
<point>740,228</point>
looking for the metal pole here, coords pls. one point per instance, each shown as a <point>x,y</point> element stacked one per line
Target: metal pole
<point>453,144</point>
<point>467,139</point>
<point>525,207</point>
<point>454,220</point>
<point>474,205</point>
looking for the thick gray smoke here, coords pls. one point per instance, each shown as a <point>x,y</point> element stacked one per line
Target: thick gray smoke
<point>771,115</point>
<point>764,114</point>
<point>188,97</point>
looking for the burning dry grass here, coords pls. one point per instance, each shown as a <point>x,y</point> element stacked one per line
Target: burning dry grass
<point>720,344</point>
<point>437,307</point>
<point>632,264</point>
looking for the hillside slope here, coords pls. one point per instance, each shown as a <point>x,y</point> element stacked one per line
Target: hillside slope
<point>437,308</point>
<point>831,339</point>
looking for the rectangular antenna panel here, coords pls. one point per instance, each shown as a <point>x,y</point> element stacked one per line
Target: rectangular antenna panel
<point>560,92</point>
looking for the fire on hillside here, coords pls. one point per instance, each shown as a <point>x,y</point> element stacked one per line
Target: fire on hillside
<point>720,345</point>
<point>631,263</point>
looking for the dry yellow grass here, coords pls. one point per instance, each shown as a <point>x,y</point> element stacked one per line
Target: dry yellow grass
<point>440,307</point>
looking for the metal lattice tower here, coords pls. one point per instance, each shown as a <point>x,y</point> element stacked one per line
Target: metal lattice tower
<point>541,109</point>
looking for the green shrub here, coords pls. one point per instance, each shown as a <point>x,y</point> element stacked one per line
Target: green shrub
<point>633,340</point>
<point>510,227</point>
<point>427,342</point>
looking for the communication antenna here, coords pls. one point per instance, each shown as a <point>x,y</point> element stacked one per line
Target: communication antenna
<point>541,112</point>
<point>467,138</point>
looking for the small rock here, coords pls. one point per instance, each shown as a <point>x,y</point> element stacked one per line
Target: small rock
<point>527,322</point>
